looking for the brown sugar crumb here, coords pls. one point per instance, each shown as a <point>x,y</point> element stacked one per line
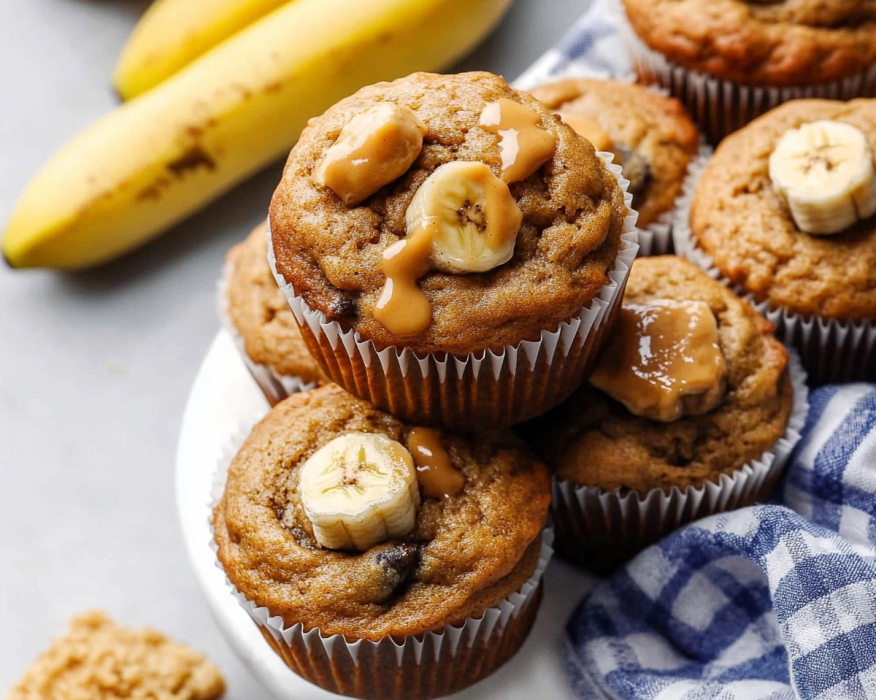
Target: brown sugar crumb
<point>98,660</point>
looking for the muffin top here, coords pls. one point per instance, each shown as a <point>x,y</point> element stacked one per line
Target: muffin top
<point>464,554</point>
<point>571,214</point>
<point>596,441</point>
<point>261,315</point>
<point>761,42</point>
<point>740,219</point>
<point>651,136</point>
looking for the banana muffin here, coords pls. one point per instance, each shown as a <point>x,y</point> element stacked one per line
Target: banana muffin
<point>262,324</point>
<point>449,215</point>
<point>784,212</point>
<point>346,522</point>
<point>652,137</point>
<point>692,387</point>
<point>732,60</point>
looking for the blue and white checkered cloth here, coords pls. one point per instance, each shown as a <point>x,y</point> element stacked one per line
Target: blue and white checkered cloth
<point>592,48</point>
<point>771,602</point>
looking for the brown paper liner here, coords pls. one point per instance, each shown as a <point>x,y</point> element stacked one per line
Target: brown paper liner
<point>721,107</point>
<point>832,350</point>
<point>599,530</point>
<point>385,673</point>
<point>483,389</point>
<point>427,665</point>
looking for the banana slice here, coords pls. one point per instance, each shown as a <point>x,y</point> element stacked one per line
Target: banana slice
<point>824,172</point>
<point>473,217</point>
<point>359,490</point>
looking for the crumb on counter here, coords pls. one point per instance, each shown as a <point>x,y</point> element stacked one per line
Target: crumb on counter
<point>98,660</point>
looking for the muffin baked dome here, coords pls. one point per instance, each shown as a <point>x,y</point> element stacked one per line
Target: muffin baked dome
<point>465,553</point>
<point>786,43</point>
<point>572,219</point>
<point>594,440</point>
<point>652,135</point>
<point>739,219</point>
<point>259,314</point>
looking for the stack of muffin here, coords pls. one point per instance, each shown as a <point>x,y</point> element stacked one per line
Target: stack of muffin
<point>452,261</point>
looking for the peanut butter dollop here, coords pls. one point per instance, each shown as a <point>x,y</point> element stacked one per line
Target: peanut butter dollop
<point>375,147</point>
<point>437,477</point>
<point>590,129</point>
<point>525,147</point>
<point>664,360</point>
<point>462,219</point>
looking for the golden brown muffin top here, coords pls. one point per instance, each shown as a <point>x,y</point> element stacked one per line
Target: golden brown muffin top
<point>595,441</point>
<point>789,42</point>
<point>652,134</point>
<point>261,315</point>
<point>573,212</point>
<point>739,219</point>
<point>98,660</point>
<point>464,555</point>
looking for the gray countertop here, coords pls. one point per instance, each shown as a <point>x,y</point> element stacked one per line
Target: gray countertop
<point>95,367</point>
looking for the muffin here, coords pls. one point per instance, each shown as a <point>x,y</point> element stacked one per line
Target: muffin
<point>651,136</point>
<point>696,412</point>
<point>792,230</point>
<point>730,61</point>
<point>442,271</point>
<point>380,559</point>
<point>256,314</point>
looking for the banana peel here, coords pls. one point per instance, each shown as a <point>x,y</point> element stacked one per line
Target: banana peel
<point>159,158</point>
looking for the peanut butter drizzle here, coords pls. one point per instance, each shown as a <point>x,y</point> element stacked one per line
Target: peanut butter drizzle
<point>664,360</point>
<point>590,129</point>
<point>375,147</point>
<point>402,306</point>
<point>525,147</point>
<point>437,477</point>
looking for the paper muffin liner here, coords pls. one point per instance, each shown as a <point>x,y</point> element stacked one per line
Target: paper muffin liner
<point>420,666</point>
<point>274,386</point>
<point>832,350</point>
<point>482,389</point>
<point>601,529</point>
<point>720,107</point>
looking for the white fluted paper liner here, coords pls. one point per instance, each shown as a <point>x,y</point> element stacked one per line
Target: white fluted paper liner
<point>832,350</point>
<point>274,386</point>
<point>601,529</point>
<point>441,646</point>
<point>719,106</point>
<point>527,378</point>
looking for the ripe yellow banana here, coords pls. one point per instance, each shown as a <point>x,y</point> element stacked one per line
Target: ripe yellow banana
<point>173,33</point>
<point>162,156</point>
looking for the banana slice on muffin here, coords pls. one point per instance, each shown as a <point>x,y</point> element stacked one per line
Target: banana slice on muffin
<point>823,171</point>
<point>358,490</point>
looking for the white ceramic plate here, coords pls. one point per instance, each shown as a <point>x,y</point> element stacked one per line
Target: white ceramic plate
<point>223,398</point>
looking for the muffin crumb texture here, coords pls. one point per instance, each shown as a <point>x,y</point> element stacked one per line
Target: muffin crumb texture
<point>796,42</point>
<point>593,440</point>
<point>653,138</point>
<point>98,660</point>
<point>740,220</point>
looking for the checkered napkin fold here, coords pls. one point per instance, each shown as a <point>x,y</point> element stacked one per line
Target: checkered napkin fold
<point>770,602</point>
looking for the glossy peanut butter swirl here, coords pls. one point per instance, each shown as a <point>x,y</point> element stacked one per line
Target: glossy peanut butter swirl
<point>374,148</point>
<point>524,146</point>
<point>462,219</point>
<point>435,472</point>
<point>664,360</point>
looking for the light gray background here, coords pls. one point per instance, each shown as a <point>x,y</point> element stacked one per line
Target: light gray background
<point>95,367</point>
